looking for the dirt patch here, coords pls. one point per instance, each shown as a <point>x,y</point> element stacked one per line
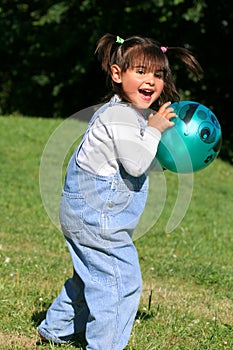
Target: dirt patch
<point>14,341</point>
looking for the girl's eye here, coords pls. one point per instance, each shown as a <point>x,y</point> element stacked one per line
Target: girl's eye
<point>159,75</point>
<point>140,71</point>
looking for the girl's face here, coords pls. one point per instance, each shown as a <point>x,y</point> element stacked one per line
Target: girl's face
<point>140,86</point>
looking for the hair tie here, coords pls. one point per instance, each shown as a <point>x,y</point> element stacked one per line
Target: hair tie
<point>119,40</point>
<point>163,49</point>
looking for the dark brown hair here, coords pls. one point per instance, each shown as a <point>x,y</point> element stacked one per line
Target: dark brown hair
<point>145,52</point>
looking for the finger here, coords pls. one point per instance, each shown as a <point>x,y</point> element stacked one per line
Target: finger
<point>169,109</point>
<point>170,115</point>
<point>163,108</point>
<point>166,104</point>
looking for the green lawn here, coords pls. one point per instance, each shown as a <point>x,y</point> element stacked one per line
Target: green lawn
<point>187,273</point>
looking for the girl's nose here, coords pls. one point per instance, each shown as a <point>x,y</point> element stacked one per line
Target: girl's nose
<point>150,79</point>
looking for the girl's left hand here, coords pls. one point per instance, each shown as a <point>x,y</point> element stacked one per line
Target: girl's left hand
<point>161,120</point>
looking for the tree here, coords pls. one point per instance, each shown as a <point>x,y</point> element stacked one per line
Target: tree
<point>48,67</point>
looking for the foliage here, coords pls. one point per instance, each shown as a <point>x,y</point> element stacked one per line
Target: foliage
<point>188,285</point>
<point>48,67</point>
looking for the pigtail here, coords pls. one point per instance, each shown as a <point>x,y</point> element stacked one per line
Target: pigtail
<point>189,60</point>
<point>104,51</point>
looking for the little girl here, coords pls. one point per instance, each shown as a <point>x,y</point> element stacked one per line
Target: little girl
<point>105,192</point>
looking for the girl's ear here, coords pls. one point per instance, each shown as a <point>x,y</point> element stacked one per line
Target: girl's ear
<point>116,73</point>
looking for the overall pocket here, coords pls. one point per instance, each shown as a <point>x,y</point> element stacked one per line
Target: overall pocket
<point>71,211</point>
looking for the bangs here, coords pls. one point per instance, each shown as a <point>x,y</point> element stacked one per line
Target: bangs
<point>148,56</point>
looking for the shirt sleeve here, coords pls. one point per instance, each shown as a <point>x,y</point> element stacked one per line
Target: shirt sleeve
<point>135,142</point>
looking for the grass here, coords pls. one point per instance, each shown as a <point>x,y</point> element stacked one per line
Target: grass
<point>187,273</point>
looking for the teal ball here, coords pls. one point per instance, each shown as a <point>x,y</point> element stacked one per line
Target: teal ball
<point>193,142</point>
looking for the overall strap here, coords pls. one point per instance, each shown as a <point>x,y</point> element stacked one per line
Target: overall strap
<point>100,110</point>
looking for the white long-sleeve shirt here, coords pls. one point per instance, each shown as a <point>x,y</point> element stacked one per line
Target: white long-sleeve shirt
<point>120,135</point>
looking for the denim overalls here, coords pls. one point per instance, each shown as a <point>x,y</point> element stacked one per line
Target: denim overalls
<point>98,215</point>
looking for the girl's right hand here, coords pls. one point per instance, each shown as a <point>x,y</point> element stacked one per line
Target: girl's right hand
<point>161,119</point>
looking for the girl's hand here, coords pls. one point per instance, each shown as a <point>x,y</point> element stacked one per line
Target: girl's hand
<point>161,120</point>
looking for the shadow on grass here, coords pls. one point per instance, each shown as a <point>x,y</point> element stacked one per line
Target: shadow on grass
<point>39,316</point>
<point>77,341</point>
<point>144,315</point>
